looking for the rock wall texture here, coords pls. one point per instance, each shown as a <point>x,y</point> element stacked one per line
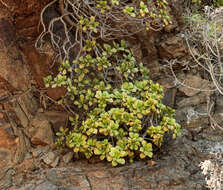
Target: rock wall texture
<point>28,121</point>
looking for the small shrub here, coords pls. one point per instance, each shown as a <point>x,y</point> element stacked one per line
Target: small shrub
<point>119,115</point>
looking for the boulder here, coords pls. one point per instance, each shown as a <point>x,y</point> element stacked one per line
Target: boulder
<point>40,131</point>
<point>194,84</point>
<point>192,101</point>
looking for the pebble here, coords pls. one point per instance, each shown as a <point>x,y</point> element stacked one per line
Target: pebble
<point>55,163</point>
<point>49,158</point>
<point>68,157</point>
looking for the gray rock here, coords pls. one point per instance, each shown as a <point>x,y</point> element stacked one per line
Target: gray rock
<point>40,150</point>
<point>47,186</point>
<point>219,102</point>
<point>169,97</point>
<point>27,187</point>
<point>28,155</point>
<point>36,152</point>
<point>194,100</point>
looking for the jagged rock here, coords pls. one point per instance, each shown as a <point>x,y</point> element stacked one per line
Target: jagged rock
<point>40,151</point>
<point>195,82</point>
<point>40,131</point>
<point>194,100</point>
<point>26,17</point>
<point>25,107</point>
<point>172,48</point>
<point>185,114</point>
<point>28,187</point>
<point>193,118</point>
<point>14,143</point>
<point>29,104</point>
<point>36,152</point>
<point>213,134</point>
<point>27,165</point>
<point>23,146</point>
<point>218,118</point>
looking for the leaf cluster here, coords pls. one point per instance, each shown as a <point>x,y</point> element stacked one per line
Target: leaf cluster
<point>142,9</point>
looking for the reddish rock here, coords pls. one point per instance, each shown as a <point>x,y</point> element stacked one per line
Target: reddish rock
<point>7,140</point>
<point>7,32</point>
<point>11,64</point>
<point>27,165</point>
<point>40,66</point>
<point>8,143</point>
<point>26,16</point>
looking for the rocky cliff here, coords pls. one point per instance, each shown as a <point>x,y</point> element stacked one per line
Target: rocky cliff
<point>29,117</point>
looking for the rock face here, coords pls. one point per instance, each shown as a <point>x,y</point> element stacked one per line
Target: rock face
<point>22,125</point>
<point>26,16</point>
<point>11,62</point>
<point>40,64</point>
<point>176,168</point>
<point>17,58</point>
